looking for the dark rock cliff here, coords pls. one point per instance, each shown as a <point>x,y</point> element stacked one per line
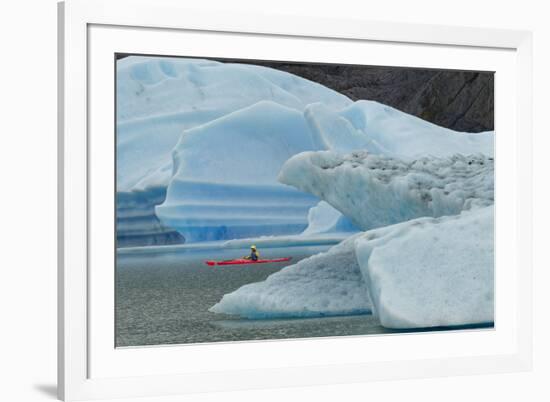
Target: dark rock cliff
<point>461,100</point>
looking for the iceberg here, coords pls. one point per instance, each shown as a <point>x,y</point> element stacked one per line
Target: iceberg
<point>427,260</point>
<point>375,190</point>
<point>426,272</point>
<point>160,98</point>
<point>382,130</point>
<point>325,284</point>
<point>431,272</point>
<point>223,127</point>
<point>224,184</point>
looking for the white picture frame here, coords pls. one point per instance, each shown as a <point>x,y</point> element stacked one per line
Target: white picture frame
<point>89,367</point>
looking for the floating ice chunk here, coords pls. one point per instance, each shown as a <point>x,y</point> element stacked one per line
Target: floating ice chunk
<point>374,190</point>
<point>431,272</point>
<point>325,284</point>
<point>427,272</point>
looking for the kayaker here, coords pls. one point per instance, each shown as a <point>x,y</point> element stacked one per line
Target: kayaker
<point>254,254</point>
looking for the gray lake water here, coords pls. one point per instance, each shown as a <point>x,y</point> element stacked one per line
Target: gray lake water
<point>164,297</point>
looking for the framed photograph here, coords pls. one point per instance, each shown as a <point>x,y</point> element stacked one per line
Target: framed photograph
<point>255,201</point>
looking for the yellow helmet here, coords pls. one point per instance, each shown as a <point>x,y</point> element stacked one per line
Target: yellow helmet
<point>253,247</point>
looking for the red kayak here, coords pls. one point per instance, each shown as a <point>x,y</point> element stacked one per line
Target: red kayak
<point>239,261</point>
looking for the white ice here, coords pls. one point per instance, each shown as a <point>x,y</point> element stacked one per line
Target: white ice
<point>325,284</point>
<point>431,272</point>
<point>158,98</point>
<point>214,120</point>
<point>224,183</point>
<point>214,137</point>
<point>163,101</point>
<point>427,272</point>
<point>374,190</point>
<point>383,130</point>
<point>415,273</point>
